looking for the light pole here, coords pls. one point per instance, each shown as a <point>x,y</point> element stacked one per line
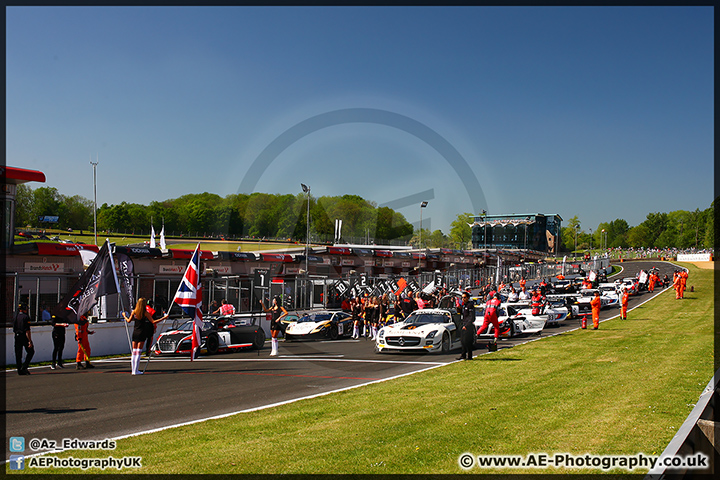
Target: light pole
<point>306,189</point>
<point>577,227</point>
<point>590,240</point>
<point>603,239</point>
<point>422,205</point>
<point>94,165</point>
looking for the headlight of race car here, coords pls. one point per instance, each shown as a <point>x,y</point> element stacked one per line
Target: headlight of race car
<point>381,333</point>
<point>432,334</point>
<point>320,328</point>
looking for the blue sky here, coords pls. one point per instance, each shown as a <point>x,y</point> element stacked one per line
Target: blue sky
<point>599,112</point>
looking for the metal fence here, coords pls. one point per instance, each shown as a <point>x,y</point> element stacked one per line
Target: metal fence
<point>246,293</point>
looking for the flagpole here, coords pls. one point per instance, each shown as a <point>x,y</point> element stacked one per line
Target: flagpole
<point>122,306</point>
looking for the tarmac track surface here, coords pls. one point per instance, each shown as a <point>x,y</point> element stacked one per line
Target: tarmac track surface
<point>108,402</point>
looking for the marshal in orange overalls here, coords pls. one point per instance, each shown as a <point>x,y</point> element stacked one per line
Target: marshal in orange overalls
<point>83,353</point>
<point>595,304</point>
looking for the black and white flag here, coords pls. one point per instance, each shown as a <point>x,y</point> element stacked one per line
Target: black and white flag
<point>99,280</point>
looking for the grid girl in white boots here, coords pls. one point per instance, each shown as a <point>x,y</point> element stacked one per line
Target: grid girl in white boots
<point>278,313</point>
<point>142,331</point>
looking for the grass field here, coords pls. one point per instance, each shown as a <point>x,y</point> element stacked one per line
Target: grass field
<point>623,389</point>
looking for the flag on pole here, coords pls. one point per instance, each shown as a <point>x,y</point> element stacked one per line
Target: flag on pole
<point>99,280</point>
<point>189,298</point>
<point>152,236</point>
<point>127,282</point>
<point>162,238</point>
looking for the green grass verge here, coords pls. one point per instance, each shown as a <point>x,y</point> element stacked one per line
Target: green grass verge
<point>623,389</point>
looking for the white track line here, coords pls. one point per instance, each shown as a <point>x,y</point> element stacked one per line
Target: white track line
<point>248,410</point>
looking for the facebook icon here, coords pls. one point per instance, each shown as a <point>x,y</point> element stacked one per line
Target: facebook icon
<point>17,462</point>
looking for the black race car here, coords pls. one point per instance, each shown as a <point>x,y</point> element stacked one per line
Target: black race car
<point>218,334</point>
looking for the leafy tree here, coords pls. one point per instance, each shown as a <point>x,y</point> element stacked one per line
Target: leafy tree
<point>24,205</point>
<point>438,240</point>
<point>639,236</point>
<point>460,230</point>
<point>568,234</point>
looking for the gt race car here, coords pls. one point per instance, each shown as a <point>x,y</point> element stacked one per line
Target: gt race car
<point>218,334</point>
<point>324,324</point>
<point>514,322</point>
<point>429,330</point>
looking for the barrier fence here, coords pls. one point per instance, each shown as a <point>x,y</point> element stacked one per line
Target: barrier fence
<point>245,292</point>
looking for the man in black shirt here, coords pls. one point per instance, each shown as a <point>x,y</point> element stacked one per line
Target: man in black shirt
<point>21,329</point>
<point>467,328</point>
<point>408,305</point>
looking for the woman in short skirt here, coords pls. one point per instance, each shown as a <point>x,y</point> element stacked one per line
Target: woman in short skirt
<point>142,331</point>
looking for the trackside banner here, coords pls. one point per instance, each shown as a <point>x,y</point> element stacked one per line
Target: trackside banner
<point>694,257</point>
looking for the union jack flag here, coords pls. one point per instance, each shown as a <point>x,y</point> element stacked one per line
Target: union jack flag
<point>189,298</point>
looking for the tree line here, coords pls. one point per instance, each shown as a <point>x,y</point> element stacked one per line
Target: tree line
<point>678,229</point>
<point>258,215</point>
<point>263,215</point>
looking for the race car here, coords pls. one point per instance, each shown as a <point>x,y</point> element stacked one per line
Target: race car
<point>551,315</point>
<point>324,324</point>
<point>218,334</point>
<point>611,291</point>
<point>514,322</point>
<point>631,285</point>
<point>587,295</point>
<point>562,286</point>
<point>430,330</point>
<point>568,301</point>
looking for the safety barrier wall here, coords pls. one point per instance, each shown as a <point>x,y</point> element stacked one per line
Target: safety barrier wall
<point>108,339</point>
<point>695,435</point>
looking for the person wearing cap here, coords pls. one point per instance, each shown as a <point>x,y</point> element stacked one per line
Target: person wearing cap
<point>23,339</point>
<point>467,331</point>
<point>595,304</point>
<point>623,303</point>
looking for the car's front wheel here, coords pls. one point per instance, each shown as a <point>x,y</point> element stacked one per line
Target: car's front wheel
<point>333,333</point>
<point>446,343</point>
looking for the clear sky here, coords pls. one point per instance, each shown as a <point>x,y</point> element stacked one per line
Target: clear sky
<point>599,112</point>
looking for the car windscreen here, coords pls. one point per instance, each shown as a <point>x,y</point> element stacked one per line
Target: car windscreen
<point>187,326</point>
<point>427,318</point>
<point>315,317</point>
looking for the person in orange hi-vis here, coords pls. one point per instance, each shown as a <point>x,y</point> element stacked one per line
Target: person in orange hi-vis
<point>651,283</point>
<point>677,285</point>
<point>81,335</point>
<point>683,282</point>
<point>624,304</point>
<point>595,304</point>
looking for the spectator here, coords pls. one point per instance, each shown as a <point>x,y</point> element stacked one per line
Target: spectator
<point>58,337</point>
<point>46,315</point>
<point>23,339</point>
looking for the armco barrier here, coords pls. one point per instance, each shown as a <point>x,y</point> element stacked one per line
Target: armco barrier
<point>696,435</point>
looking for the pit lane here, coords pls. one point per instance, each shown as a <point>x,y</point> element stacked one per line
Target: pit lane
<point>107,402</point>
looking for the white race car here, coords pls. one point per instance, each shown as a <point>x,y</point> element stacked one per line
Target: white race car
<point>551,315</point>
<point>513,321</point>
<point>431,330</point>
<point>610,291</point>
<point>325,324</point>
